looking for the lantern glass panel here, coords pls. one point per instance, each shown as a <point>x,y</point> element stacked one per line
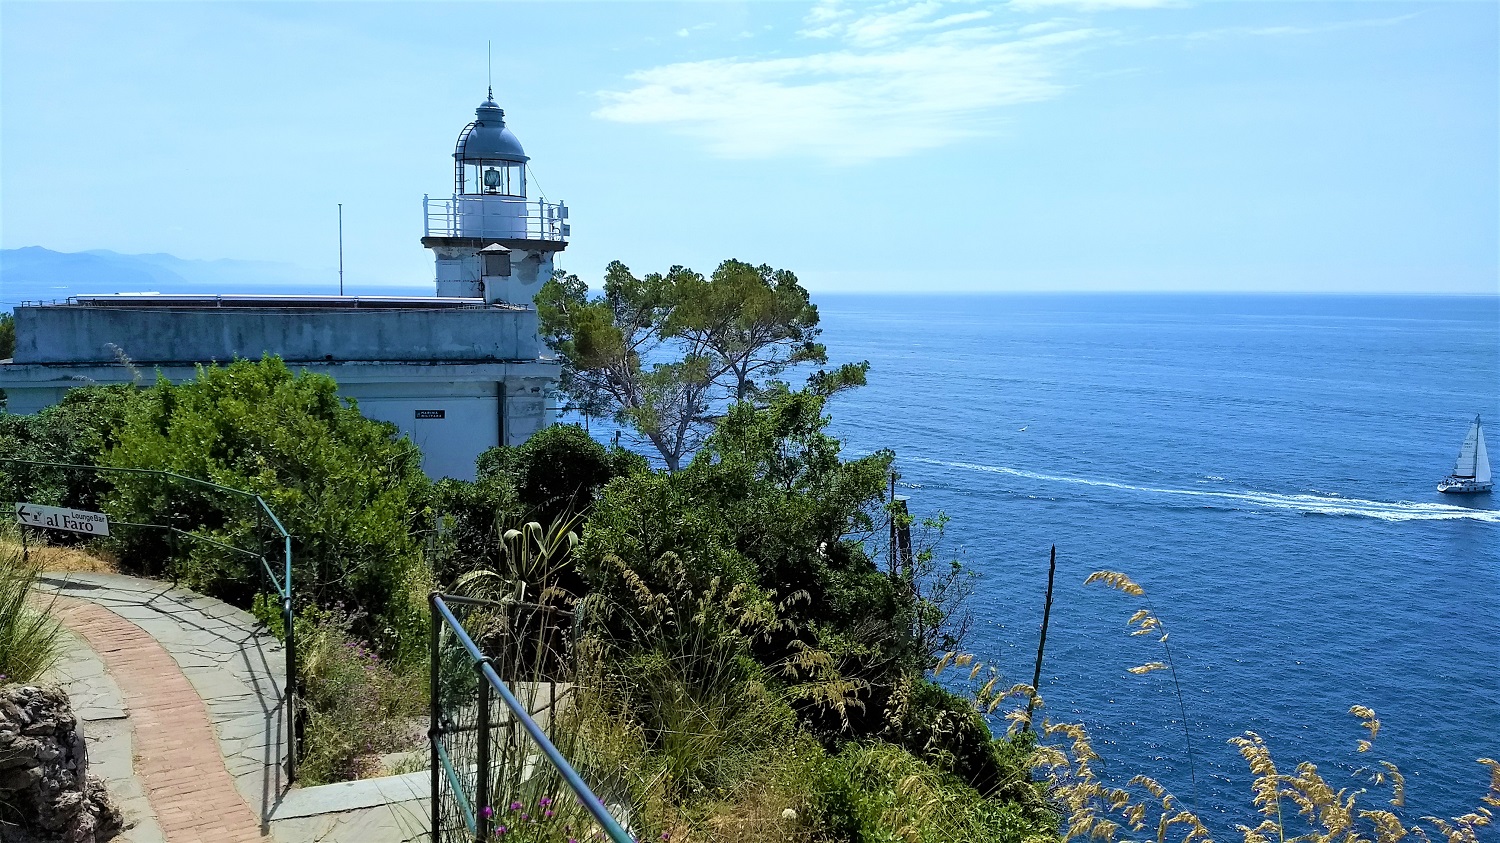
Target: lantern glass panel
<point>495,178</point>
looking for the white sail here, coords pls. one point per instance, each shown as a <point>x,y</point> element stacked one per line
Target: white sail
<point>1481,459</point>
<point>1468,455</point>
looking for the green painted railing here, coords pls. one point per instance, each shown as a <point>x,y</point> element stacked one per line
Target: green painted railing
<point>488,761</point>
<point>281,585</point>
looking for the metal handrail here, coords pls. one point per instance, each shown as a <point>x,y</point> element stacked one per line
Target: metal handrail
<point>531,220</point>
<point>491,680</point>
<point>283,586</point>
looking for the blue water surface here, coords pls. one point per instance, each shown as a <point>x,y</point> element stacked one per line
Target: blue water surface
<point>1264,466</point>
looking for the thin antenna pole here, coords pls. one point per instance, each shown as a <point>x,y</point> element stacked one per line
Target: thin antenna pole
<point>341,248</point>
<point>489,64</point>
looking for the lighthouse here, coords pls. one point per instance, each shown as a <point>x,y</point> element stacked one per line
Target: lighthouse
<point>491,239</point>
<point>459,372</point>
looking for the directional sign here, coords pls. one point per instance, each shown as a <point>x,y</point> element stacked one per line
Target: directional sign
<point>58,518</point>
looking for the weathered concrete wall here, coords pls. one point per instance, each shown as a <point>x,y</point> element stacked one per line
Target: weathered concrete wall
<point>79,334</point>
<point>459,274</point>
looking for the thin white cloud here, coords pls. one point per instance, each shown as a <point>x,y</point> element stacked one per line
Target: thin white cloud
<point>1091,5</point>
<point>689,30</point>
<point>1281,31</point>
<point>898,80</point>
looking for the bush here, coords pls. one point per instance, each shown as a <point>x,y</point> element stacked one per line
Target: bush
<point>28,638</point>
<point>358,705</point>
<point>879,793</point>
<point>559,470</point>
<point>76,431</point>
<point>948,731</point>
<point>350,490</point>
<point>7,336</point>
<point>768,505</point>
<point>558,473</point>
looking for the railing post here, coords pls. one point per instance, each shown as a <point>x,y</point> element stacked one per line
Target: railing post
<point>433,735</point>
<point>482,774</point>
<point>289,620</point>
<point>426,217</point>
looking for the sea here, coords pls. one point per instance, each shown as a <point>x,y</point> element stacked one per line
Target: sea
<point>1263,466</point>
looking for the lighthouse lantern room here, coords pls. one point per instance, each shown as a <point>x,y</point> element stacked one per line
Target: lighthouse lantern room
<point>490,207</point>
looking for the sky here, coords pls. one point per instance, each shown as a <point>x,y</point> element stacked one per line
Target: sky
<point>1029,145</point>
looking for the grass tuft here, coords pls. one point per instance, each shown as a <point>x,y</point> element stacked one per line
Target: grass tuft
<point>28,637</point>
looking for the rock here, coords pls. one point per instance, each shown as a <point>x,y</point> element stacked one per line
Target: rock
<point>44,780</point>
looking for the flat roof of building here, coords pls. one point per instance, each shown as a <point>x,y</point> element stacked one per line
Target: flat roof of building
<point>176,301</point>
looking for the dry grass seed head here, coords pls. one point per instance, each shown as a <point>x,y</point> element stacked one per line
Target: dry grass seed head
<point>1493,797</point>
<point>1368,720</point>
<point>1266,786</point>
<point>1117,581</point>
<point>1398,783</point>
<point>1388,827</point>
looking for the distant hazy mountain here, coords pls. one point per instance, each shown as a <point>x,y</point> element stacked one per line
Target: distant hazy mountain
<point>35,273</point>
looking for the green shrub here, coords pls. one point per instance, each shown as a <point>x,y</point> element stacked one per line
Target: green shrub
<point>946,730</point>
<point>469,518</point>
<point>76,431</point>
<point>559,470</point>
<point>350,490</point>
<point>28,637</point>
<point>358,705</point>
<point>7,336</point>
<point>556,474</point>
<point>769,505</point>
<point>880,793</point>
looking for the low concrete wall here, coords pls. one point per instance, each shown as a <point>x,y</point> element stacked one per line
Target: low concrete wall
<point>80,334</point>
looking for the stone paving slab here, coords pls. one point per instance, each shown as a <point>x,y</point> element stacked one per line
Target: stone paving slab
<point>403,823</point>
<point>105,723</point>
<point>237,670</point>
<point>346,796</point>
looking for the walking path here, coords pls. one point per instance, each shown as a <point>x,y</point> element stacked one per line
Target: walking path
<point>202,684</point>
<point>106,725</point>
<point>191,792</point>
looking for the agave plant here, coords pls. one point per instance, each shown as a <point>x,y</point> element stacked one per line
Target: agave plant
<point>531,557</point>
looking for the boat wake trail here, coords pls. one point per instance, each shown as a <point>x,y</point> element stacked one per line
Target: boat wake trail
<point>1315,504</point>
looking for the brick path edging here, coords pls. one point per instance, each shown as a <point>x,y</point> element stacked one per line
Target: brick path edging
<point>177,752</point>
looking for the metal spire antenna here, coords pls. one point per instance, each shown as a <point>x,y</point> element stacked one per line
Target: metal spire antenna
<point>489,62</point>
<point>341,248</point>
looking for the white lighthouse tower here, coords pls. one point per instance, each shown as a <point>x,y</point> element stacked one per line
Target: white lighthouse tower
<point>459,373</point>
<point>490,239</point>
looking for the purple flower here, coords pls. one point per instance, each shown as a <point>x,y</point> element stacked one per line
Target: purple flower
<point>547,813</point>
<point>486,812</point>
<point>544,801</point>
<point>501,831</point>
<point>515,806</point>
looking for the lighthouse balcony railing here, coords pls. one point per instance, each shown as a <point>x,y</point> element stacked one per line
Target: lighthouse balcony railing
<point>495,217</point>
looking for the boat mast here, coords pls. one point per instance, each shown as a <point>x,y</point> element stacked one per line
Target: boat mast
<point>1478,436</point>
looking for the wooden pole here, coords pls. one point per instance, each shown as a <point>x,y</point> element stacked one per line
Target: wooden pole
<point>891,518</point>
<point>1041,644</point>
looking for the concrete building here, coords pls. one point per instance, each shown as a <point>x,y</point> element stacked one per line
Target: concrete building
<point>458,372</point>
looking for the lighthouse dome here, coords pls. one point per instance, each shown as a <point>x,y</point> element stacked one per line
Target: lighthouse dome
<point>487,138</point>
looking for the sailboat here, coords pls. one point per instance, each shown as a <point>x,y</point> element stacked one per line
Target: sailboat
<point>1471,473</point>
